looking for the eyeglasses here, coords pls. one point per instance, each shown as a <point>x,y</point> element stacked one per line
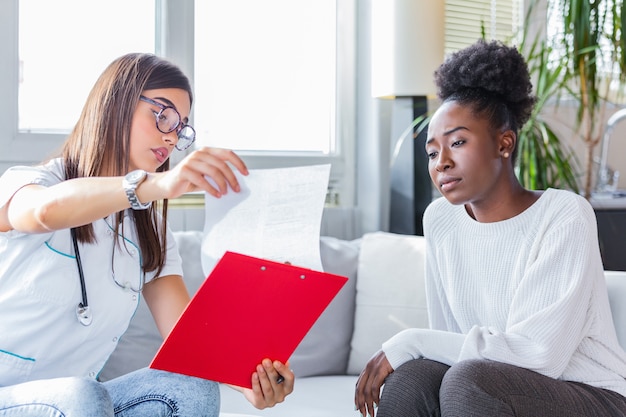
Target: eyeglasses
<point>168,120</point>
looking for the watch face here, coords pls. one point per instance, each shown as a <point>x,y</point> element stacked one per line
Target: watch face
<point>135,176</point>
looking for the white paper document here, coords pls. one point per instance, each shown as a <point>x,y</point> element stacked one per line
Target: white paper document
<point>276,216</point>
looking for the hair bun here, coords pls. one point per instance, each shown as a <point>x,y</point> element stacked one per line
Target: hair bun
<point>488,71</point>
<point>492,67</point>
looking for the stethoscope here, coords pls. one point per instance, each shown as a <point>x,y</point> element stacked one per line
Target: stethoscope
<point>83,312</point>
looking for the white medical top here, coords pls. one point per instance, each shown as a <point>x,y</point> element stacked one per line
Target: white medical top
<point>40,335</point>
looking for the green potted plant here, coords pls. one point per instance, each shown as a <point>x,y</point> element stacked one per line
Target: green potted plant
<point>591,46</point>
<point>543,159</point>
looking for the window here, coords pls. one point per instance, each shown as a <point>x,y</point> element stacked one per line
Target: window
<point>52,58</point>
<point>466,20</point>
<point>60,57</point>
<point>52,54</point>
<point>265,74</point>
<point>275,80</point>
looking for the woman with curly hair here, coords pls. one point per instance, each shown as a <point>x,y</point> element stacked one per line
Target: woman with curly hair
<point>520,323</point>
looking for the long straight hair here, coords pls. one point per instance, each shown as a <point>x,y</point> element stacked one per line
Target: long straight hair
<point>99,144</point>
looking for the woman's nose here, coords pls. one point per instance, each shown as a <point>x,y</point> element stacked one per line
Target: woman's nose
<point>171,138</point>
<point>443,162</point>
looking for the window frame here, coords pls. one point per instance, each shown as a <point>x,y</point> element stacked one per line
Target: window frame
<point>19,147</point>
<point>175,42</point>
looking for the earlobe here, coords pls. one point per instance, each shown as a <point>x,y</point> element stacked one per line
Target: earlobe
<point>507,143</point>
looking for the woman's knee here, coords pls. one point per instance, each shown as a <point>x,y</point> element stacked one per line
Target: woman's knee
<point>420,369</point>
<point>486,375</point>
<point>412,389</point>
<point>94,397</point>
<point>173,394</point>
<point>70,397</point>
<point>195,390</point>
<point>468,373</point>
<point>471,388</point>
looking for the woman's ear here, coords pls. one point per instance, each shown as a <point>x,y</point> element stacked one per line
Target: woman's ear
<point>507,141</point>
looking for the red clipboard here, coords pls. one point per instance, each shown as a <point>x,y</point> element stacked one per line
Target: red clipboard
<point>246,310</point>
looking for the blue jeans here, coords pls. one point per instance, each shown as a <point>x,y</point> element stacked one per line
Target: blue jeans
<point>146,392</point>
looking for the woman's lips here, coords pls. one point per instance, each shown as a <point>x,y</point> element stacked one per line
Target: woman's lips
<point>448,184</point>
<point>161,154</point>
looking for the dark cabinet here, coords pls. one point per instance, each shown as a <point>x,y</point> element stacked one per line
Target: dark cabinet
<point>612,236</point>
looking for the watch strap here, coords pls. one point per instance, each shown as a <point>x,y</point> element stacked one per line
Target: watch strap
<point>130,188</point>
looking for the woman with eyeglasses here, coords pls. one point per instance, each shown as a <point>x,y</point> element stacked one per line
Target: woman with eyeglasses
<point>84,235</point>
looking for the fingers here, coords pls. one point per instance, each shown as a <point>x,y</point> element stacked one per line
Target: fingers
<point>218,169</point>
<point>230,156</point>
<point>367,391</point>
<point>366,394</point>
<point>285,376</point>
<point>276,380</point>
<point>271,383</point>
<point>209,169</point>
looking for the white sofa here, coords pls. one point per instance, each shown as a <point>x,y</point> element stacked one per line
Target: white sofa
<point>386,297</point>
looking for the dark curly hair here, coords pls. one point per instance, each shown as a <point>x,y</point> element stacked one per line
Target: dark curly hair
<point>491,78</point>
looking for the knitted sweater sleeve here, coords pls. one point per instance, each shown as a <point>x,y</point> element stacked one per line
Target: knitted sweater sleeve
<point>443,340</point>
<point>548,314</point>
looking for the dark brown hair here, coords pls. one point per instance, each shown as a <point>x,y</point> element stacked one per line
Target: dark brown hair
<point>99,144</point>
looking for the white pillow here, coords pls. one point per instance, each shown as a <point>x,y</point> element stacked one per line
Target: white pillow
<point>326,347</point>
<point>390,294</point>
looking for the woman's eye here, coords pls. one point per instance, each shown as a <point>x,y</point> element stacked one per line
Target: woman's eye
<point>431,155</point>
<point>458,142</point>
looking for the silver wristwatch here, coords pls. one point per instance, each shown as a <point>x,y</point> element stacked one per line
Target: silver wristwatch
<point>130,183</point>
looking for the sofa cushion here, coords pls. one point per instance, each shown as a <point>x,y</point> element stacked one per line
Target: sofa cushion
<point>327,396</point>
<point>324,350</point>
<point>390,292</point>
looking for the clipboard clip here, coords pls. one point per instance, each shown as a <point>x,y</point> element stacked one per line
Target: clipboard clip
<point>302,276</point>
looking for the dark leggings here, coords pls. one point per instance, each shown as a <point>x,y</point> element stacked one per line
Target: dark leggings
<point>484,388</point>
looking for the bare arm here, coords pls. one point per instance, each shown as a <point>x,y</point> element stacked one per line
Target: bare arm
<point>38,209</point>
<point>166,297</point>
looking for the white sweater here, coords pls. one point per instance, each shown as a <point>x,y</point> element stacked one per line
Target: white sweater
<point>528,291</point>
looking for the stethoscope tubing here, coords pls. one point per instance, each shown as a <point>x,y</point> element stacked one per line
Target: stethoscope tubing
<point>82,310</point>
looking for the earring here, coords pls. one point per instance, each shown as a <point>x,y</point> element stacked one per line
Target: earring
<point>506,155</point>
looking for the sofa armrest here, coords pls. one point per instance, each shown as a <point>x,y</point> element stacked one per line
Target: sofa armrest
<point>616,286</point>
